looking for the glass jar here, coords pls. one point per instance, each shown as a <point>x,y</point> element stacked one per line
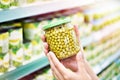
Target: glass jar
<point>61,38</point>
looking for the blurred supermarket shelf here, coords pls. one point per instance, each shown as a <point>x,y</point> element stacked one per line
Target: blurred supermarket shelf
<point>116,77</point>
<point>25,69</point>
<point>100,67</point>
<point>40,8</point>
<point>97,36</point>
<point>106,18</point>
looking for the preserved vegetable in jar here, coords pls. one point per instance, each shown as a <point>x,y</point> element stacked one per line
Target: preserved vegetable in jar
<point>61,38</point>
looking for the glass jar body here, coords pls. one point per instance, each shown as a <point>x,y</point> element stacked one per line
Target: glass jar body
<point>62,41</point>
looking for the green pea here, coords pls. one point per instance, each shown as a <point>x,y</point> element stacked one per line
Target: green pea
<point>62,41</point>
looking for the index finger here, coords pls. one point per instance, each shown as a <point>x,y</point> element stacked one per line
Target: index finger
<point>76,29</point>
<point>78,37</point>
<point>43,38</point>
<point>59,66</point>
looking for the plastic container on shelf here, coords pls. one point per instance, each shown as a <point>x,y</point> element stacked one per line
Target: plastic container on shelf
<point>4,55</point>
<point>32,32</point>
<point>28,48</point>
<point>17,57</point>
<point>16,37</point>
<point>13,3</point>
<point>5,4</point>
<point>31,29</point>
<point>61,38</point>
<point>37,46</point>
<point>15,46</point>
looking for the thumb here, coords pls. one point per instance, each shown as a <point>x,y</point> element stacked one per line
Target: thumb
<point>76,29</point>
<point>80,62</point>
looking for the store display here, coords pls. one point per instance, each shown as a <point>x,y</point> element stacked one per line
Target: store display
<point>15,46</point>
<point>45,75</point>
<point>21,45</point>
<point>37,47</point>
<point>27,46</point>
<point>17,57</point>
<point>32,32</point>
<point>16,37</point>
<point>61,38</point>
<point>9,4</point>
<point>30,29</point>
<point>4,55</point>
<point>98,24</point>
<point>5,4</point>
<point>111,71</point>
<point>105,46</point>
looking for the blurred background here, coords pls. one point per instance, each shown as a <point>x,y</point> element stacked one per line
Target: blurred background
<point>21,49</point>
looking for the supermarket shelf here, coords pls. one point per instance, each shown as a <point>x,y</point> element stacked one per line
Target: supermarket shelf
<point>100,67</point>
<point>25,70</point>
<point>42,62</point>
<point>97,36</point>
<point>116,77</point>
<point>40,8</point>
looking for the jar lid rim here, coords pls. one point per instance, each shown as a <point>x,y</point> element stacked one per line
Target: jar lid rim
<point>56,23</point>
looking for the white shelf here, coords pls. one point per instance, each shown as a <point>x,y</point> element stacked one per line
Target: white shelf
<point>40,8</point>
<point>116,77</point>
<point>25,69</point>
<point>97,36</point>
<point>100,67</point>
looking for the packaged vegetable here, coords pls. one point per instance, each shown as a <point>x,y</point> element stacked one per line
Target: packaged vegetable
<point>61,38</point>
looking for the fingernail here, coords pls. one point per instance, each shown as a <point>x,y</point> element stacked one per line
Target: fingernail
<point>50,53</point>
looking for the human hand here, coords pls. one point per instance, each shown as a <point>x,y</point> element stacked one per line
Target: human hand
<point>84,72</point>
<point>69,62</point>
<point>77,64</point>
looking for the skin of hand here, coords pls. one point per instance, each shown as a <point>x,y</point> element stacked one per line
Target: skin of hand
<point>78,65</point>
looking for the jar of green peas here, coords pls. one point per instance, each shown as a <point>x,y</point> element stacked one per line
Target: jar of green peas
<point>61,38</point>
